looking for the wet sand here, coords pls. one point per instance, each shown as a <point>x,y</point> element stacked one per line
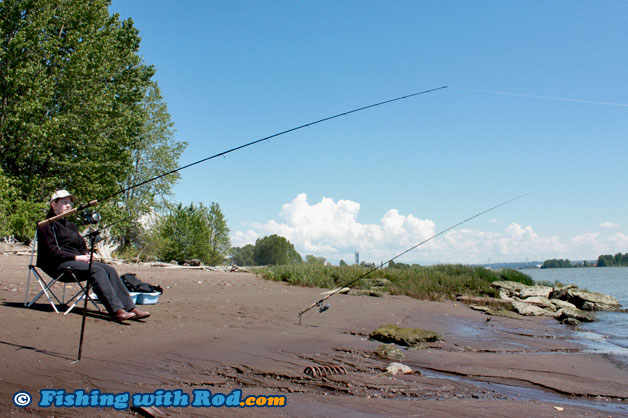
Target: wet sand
<point>225,331</point>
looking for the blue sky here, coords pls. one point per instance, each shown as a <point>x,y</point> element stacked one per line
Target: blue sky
<point>386,178</point>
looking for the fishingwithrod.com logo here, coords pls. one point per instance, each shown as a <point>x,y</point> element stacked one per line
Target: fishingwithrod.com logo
<point>199,398</point>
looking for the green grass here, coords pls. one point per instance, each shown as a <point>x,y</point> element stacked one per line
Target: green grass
<point>438,282</point>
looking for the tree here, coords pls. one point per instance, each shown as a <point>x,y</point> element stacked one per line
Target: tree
<point>219,242</point>
<point>275,250</point>
<point>311,259</point>
<point>192,232</point>
<point>5,201</point>
<point>155,153</point>
<point>608,260</point>
<point>72,96</point>
<point>557,263</point>
<point>184,235</point>
<point>342,263</point>
<point>243,256</point>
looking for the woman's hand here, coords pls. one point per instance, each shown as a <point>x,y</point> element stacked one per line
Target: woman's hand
<point>84,258</point>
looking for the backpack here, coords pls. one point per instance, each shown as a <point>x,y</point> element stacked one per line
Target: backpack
<point>133,284</point>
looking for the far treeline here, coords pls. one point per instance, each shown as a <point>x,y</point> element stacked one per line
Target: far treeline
<point>617,260</point>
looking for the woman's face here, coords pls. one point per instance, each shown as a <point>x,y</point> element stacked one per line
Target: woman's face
<point>63,205</point>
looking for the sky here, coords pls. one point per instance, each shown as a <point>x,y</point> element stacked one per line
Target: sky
<point>536,102</point>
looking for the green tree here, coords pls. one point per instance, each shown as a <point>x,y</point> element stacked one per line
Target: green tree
<point>72,87</point>
<point>5,202</point>
<point>400,266</point>
<point>342,263</point>
<point>191,232</point>
<point>557,263</point>
<point>243,256</point>
<point>183,235</point>
<point>219,242</point>
<point>275,250</point>
<point>608,260</point>
<point>156,152</point>
<point>311,259</point>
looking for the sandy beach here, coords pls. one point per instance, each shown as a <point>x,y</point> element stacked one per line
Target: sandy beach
<point>221,332</point>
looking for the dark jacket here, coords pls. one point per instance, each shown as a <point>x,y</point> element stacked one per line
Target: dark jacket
<point>57,242</point>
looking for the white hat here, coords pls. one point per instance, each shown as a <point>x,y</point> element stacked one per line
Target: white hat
<point>60,194</point>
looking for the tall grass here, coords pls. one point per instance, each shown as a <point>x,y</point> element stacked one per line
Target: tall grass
<point>438,282</point>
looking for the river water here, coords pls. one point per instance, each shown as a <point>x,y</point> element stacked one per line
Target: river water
<point>609,334</point>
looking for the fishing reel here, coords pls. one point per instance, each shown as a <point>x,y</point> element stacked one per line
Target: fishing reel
<point>322,308</point>
<point>90,217</point>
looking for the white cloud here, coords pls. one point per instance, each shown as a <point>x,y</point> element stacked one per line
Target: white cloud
<point>608,224</point>
<point>331,229</point>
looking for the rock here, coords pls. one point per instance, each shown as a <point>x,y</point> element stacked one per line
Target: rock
<point>562,304</point>
<point>531,291</point>
<point>588,306</point>
<point>485,301</point>
<point>508,287</point>
<point>506,314</point>
<point>568,297</point>
<point>580,315</point>
<point>398,368</point>
<point>592,301</point>
<point>480,308</point>
<point>572,321</point>
<point>193,262</point>
<point>403,336</point>
<point>390,351</point>
<point>528,309</point>
<point>496,312</point>
<point>541,302</point>
<point>561,292</point>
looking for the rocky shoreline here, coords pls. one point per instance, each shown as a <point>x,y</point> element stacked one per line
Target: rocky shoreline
<point>568,304</point>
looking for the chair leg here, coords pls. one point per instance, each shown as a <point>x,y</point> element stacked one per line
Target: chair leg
<point>45,289</point>
<point>83,294</point>
<point>80,295</point>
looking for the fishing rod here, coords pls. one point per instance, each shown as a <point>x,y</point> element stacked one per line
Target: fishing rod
<point>323,308</point>
<point>94,202</point>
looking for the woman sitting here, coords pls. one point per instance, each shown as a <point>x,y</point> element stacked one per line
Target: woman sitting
<point>61,246</point>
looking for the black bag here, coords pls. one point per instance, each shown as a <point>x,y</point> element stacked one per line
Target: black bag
<point>133,284</point>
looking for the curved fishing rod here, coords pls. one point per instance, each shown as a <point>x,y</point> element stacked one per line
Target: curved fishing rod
<point>324,308</point>
<point>94,202</point>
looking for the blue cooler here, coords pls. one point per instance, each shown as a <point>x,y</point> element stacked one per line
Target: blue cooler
<point>147,298</point>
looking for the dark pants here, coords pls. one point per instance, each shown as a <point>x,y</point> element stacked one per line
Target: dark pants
<point>107,284</point>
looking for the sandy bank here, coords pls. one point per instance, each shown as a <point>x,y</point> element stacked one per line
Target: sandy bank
<point>226,331</point>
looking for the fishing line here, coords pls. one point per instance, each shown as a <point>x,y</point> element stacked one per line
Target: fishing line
<point>324,308</point>
<point>296,128</point>
<point>564,99</point>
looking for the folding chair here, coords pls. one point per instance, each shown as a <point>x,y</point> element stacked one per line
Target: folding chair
<point>66,276</point>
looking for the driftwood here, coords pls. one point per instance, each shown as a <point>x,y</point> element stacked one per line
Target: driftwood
<point>9,245</point>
